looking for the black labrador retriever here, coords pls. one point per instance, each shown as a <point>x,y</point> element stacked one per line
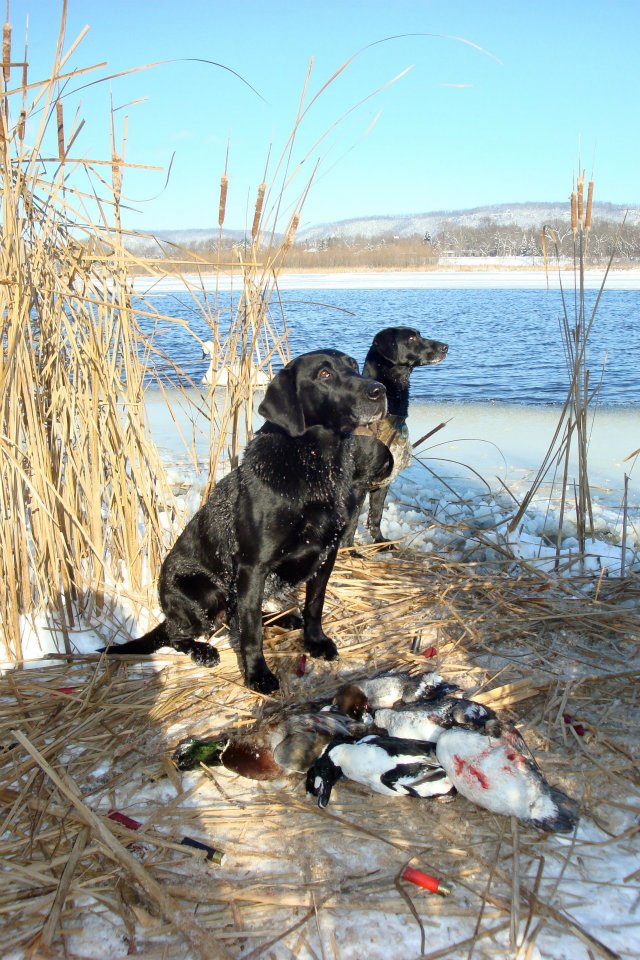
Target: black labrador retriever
<point>392,357</point>
<point>274,521</point>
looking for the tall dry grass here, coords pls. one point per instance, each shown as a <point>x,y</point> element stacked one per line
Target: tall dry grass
<point>82,487</point>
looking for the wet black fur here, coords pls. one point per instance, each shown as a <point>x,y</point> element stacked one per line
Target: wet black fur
<point>276,520</point>
<point>392,357</point>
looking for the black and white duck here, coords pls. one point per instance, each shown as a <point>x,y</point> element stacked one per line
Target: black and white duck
<point>387,765</point>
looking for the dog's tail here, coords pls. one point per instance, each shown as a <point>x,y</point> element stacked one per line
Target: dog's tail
<point>149,643</point>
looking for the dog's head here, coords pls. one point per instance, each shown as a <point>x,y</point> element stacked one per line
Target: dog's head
<point>404,346</point>
<point>322,388</point>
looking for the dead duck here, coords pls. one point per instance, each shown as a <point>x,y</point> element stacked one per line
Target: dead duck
<point>387,765</point>
<point>274,747</point>
<point>388,689</point>
<point>492,771</point>
<point>427,721</point>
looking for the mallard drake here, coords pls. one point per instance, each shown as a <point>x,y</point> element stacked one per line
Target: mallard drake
<point>272,748</point>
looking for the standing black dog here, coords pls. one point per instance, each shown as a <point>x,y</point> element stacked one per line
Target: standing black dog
<point>275,521</point>
<point>392,357</point>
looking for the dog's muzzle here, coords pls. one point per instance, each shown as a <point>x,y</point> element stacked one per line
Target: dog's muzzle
<point>373,406</point>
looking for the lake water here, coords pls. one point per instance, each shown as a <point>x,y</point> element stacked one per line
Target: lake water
<point>505,344</point>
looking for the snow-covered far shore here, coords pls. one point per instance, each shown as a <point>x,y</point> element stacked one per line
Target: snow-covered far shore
<point>479,277</point>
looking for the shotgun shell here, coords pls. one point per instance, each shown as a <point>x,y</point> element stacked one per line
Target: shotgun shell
<point>124,820</point>
<point>427,882</point>
<point>213,856</point>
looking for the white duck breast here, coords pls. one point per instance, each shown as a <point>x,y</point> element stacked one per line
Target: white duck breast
<point>386,765</point>
<point>391,688</point>
<point>408,724</point>
<point>426,721</point>
<point>494,774</point>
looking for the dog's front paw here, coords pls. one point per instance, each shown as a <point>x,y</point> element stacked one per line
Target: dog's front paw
<point>205,655</point>
<point>322,648</point>
<point>263,681</point>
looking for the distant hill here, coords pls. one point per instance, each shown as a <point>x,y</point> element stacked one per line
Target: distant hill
<point>525,215</point>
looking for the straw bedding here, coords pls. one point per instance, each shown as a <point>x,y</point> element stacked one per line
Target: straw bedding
<point>86,737</point>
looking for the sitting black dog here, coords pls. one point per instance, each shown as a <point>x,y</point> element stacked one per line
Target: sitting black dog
<point>393,355</point>
<point>275,521</point>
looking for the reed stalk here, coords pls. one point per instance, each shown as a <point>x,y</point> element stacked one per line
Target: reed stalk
<point>82,487</point>
<point>573,429</point>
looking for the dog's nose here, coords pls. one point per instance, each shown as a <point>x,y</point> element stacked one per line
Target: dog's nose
<point>376,391</point>
<point>444,348</point>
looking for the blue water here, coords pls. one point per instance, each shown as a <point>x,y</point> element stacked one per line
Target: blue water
<point>505,345</point>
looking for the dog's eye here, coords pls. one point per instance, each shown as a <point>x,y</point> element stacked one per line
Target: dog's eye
<point>412,338</point>
<point>324,374</point>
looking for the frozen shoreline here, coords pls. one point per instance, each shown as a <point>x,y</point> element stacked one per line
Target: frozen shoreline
<point>532,279</point>
<point>497,440</point>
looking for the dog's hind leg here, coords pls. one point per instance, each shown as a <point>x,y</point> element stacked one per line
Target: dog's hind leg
<point>143,646</point>
<point>192,605</point>
<point>202,653</point>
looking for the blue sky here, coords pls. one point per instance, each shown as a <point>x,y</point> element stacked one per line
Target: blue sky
<point>503,117</point>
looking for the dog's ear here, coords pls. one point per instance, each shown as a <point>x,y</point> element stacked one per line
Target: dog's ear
<point>386,345</point>
<point>281,404</point>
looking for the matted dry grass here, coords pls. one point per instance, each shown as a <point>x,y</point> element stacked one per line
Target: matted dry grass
<point>88,736</point>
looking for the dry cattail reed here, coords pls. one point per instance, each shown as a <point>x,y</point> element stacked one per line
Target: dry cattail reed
<point>581,200</point>
<point>6,52</point>
<point>60,128</point>
<point>574,213</point>
<point>258,210</point>
<point>79,475</point>
<point>222,207</point>
<point>587,219</point>
<point>291,233</point>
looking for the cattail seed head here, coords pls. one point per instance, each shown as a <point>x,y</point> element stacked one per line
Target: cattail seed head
<point>291,233</point>
<point>581,201</point>
<point>587,218</point>
<point>224,184</point>
<point>6,51</point>
<point>60,120</point>
<point>258,211</point>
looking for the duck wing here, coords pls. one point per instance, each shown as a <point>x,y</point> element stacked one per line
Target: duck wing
<point>301,739</point>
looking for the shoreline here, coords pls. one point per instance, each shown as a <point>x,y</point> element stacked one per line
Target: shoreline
<point>458,277</point>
